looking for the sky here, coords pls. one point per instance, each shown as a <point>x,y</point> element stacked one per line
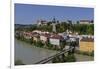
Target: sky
<point>30,13</point>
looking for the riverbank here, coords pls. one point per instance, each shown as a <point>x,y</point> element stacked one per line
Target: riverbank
<point>39,44</point>
<point>51,47</point>
<point>29,54</point>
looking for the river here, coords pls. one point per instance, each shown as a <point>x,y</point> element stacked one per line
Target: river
<point>30,54</point>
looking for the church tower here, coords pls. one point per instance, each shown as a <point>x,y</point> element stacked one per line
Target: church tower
<point>54,25</point>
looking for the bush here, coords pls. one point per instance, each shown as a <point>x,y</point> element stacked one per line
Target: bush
<point>85,53</point>
<point>39,44</point>
<point>70,58</point>
<point>92,53</point>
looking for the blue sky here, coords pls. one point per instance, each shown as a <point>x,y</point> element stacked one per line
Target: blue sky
<point>29,14</point>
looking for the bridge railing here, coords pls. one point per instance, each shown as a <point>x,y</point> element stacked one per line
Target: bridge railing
<point>51,57</point>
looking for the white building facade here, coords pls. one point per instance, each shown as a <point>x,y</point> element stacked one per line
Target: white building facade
<point>55,41</point>
<point>43,38</point>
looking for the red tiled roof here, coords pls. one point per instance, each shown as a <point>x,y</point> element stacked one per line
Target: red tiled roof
<point>56,37</point>
<point>88,39</point>
<point>84,20</point>
<point>35,34</point>
<point>46,35</point>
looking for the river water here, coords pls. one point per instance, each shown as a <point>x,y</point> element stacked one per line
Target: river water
<point>30,54</point>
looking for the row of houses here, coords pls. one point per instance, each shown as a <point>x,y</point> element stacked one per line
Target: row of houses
<point>54,39</point>
<point>84,42</point>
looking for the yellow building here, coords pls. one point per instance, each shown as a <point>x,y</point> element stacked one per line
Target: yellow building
<point>35,39</point>
<point>86,46</point>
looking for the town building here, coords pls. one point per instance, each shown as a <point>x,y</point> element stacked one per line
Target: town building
<point>36,31</point>
<point>35,36</point>
<point>86,45</point>
<point>56,40</point>
<point>41,22</point>
<point>44,37</point>
<point>27,35</point>
<point>84,22</point>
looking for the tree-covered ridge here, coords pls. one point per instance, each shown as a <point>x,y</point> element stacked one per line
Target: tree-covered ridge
<point>85,29</point>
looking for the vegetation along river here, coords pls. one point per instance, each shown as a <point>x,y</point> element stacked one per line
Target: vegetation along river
<point>30,54</point>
